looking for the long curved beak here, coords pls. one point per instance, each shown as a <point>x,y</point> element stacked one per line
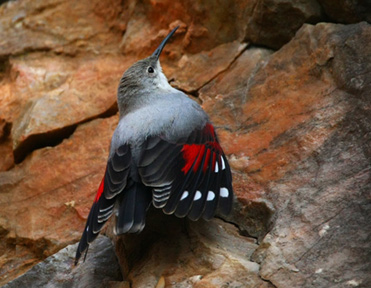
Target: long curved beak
<point>163,43</point>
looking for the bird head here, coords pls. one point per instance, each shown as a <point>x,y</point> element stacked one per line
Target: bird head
<point>143,80</point>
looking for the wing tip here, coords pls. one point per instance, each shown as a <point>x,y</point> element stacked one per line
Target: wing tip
<point>123,228</point>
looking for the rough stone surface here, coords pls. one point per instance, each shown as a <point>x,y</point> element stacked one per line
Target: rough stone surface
<point>7,160</point>
<point>224,98</point>
<point>274,22</point>
<point>188,254</point>
<point>63,26</point>
<point>203,25</point>
<point>346,11</point>
<point>56,93</point>
<point>59,271</point>
<point>294,123</point>
<point>219,96</point>
<point>322,229</point>
<point>49,192</point>
<point>194,71</point>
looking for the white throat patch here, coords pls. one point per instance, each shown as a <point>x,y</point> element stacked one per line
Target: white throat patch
<point>163,84</point>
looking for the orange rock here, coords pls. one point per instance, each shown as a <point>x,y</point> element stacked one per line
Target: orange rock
<point>315,169</point>
<point>224,96</point>
<point>294,124</point>
<point>66,27</point>
<point>56,93</point>
<point>194,71</point>
<point>204,25</point>
<point>6,160</point>
<point>34,193</point>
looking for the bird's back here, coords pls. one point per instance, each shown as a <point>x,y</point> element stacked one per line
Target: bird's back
<point>171,116</point>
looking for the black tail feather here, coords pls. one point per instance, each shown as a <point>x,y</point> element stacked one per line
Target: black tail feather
<point>133,208</point>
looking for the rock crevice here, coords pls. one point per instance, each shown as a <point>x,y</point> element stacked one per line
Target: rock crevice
<point>292,118</point>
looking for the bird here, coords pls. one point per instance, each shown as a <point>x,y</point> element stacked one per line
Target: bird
<point>164,152</point>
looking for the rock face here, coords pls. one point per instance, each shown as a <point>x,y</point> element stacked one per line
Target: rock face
<point>70,92</point>
<point>324,202</point>
<point>344,11</point>
<point>273,23</point>
<point>47,193</point>
<point>293,121</point>
<point>181,254</point>
<point>58,270</point>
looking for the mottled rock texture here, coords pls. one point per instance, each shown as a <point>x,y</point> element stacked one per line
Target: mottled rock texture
<point>46,198</point>
<point>183,254</point>
<point>346,11</point>
<point>290,98</point>
<point>274,22</point>
<point>321,236</point>
<point>59,271</point>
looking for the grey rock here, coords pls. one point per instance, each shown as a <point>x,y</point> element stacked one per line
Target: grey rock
<point>274,22</point>
<point>187,254</point>
<point>58,271</point>
<point>321,237</point>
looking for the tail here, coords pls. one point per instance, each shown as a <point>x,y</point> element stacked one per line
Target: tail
<point>100,212</point>
<point>113,184</point>
<point>133,207</point>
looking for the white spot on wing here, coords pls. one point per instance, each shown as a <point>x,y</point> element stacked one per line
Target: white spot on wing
<point>87,229</point>
<point>223,164</point>
<point>216,167</point>
<point>210,196</point>
<point>184,195</point>
<point>224,192</point>
<point>197,196</point>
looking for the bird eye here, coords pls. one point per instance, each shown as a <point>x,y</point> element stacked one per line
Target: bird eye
<point>150,69</point>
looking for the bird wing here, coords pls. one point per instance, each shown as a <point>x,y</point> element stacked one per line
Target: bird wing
<point>190,177</point>
<point>113,183</point>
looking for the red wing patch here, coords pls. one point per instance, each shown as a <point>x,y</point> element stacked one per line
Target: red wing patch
<point>189,177</point>
<point>190,155</point>
<point>100,191</point>
<point>193,153</point>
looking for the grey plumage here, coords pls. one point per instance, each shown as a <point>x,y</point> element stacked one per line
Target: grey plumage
<point>173,115</point>
<point>164,151</point>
